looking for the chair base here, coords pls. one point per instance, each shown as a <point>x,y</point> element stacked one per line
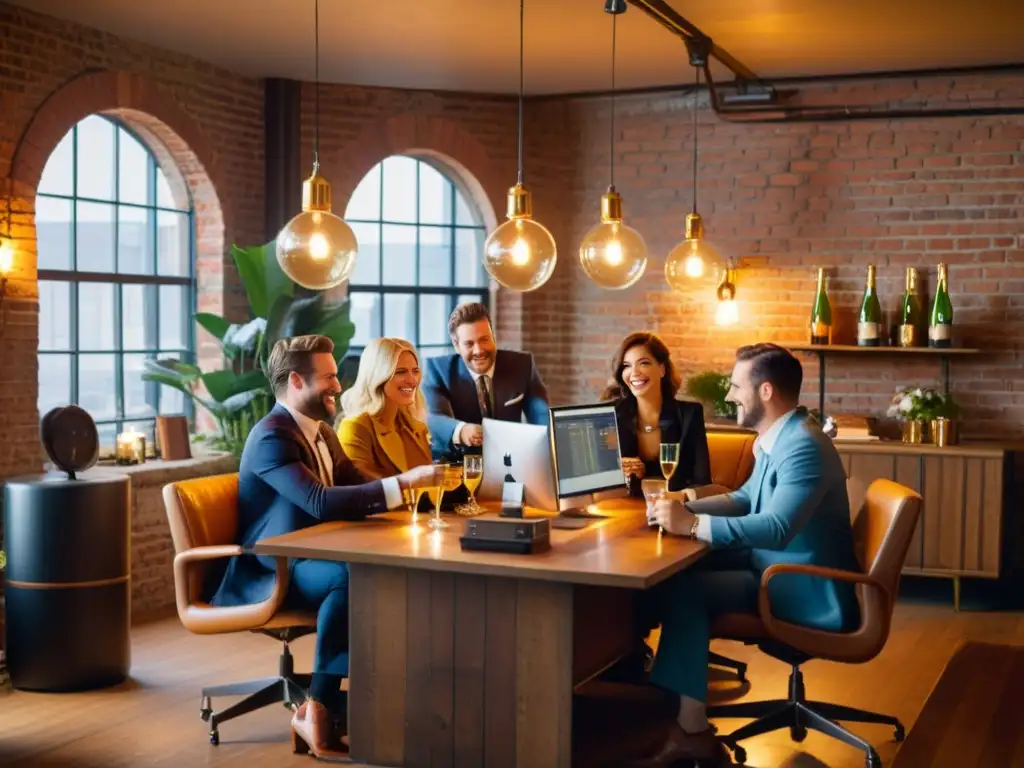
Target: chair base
<point>798,714</point>
<point>287,688</point>
<point>718,660</point>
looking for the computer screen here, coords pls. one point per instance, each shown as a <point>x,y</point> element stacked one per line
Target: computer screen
<point>586,449</point>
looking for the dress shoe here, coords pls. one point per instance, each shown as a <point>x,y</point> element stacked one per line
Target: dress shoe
<point>702,750</point>
<point>313,734</point>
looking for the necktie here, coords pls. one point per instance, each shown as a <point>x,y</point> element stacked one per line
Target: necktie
<point>319,448</point>
<point>483,391</point>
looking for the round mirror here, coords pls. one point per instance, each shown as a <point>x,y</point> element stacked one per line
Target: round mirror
<point>70,439</point>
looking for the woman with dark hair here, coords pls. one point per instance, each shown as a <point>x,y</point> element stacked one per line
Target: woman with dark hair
<point>644,386</point>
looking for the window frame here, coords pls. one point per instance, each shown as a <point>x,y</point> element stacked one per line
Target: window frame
<point>481,292</point>
<point>75,278</point>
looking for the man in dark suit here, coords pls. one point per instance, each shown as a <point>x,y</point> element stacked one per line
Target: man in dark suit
<point>294,474</point>
<point>478,381</point>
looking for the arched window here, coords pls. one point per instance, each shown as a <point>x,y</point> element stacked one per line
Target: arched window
<point>115,245</point>
<point>420,246</point>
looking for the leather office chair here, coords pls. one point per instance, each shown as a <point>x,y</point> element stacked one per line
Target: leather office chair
<point>732,461</point>
<point>203,516</point>
<point>885,528</point>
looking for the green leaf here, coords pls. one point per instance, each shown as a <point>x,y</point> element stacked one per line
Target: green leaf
<point>262,277</point>
<point>223,385</point>
<point>215,325</point>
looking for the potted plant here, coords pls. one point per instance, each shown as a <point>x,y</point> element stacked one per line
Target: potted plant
<point>945,418</point>
<point>920,408</point>
<point>710,388</point>
<point>239,395</point>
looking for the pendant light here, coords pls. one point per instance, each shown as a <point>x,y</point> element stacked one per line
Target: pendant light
<point>612,254</point>
<point>520,253</point>
<point>695,257</point>
<point>317,249</point>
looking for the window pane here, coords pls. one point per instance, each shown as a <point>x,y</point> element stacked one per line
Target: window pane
<point>172,244</point>
<point>53,233</point>
<point>172,402</point>
<point>164,195</point>
<point>436,256</point>
<point>107,434</point>
<point>367,271</point>
<point>399,189</point>
<point>96,158</point>
<point>96,318</point>
<point>435,196</point>
<point>174,317</point>
<point>426,352</point>
<point>138,317</point>
<point>135,240</point>
<point>399,252</point>
<point>95,237</point>
<point>434,311</point>
<point>365,201</point>
<point>400,315</point>
<point>464,212</point>
<point>140,397</point>
<point>96,389</point>
<point>469,270</point>
<point>365,314</point>
<point>58,174</point>
<point>54,382</point>
<point>473,298</point>
<point>132,170</point>
<point>54,315</point>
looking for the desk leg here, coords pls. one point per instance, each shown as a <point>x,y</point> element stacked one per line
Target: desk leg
<point>451,669</point>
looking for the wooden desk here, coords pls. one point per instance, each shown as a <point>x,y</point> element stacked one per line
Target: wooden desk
<point>470,658</point>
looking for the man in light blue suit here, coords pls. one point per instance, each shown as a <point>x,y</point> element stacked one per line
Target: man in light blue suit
<point>793,509</point>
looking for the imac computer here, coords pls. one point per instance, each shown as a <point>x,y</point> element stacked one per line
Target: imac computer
<point>585,445</point>
<point>518,453</point>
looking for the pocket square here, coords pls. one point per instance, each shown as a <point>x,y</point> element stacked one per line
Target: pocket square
<point>514,400</point>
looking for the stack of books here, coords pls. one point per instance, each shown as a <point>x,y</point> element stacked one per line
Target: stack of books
<point>852,427</point>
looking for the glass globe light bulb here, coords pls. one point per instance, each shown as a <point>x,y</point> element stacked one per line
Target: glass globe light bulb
<point>317,249</point>
<point>727,312</point>
<point>6,257</point>
<point>521,253</point>
<point>694,258</point>
<point>612,254</point>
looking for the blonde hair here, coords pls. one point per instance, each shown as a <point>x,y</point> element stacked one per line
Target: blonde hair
<point>377,366</point>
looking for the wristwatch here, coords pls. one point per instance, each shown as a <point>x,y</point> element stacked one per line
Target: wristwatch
<point>693,528</point>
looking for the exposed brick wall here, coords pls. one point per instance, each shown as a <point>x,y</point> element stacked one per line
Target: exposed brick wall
<point>786,198</point>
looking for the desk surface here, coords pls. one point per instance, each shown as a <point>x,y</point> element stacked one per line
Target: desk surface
<point>620,551</point>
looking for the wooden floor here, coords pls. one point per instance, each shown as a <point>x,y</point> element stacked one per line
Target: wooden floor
<point>154,719</point>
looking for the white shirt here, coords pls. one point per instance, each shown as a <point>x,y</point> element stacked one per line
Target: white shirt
<point>457,434</point>
<point>764,443</point>
<point>310,429</point>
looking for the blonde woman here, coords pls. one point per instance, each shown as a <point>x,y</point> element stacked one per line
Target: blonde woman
<point>383,431</point>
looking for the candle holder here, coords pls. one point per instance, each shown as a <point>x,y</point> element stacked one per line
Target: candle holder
<point>131,448</point>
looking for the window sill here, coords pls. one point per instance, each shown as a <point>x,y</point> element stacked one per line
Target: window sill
<point>160,472</point>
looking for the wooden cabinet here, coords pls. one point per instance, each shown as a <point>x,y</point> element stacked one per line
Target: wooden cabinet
<point>964,525</point>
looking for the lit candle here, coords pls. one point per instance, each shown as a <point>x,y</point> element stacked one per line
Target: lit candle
<point>131,448</point>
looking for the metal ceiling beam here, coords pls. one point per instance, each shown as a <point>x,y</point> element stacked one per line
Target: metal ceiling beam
<point>668,17</point>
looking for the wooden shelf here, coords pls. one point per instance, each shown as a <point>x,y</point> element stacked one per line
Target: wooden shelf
<point>846,349</point>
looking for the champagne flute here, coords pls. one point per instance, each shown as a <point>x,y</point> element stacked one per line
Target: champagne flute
<point>412,498</point>
<point>472,474</point>
<point>669,459</point>
<point>451,479</point>
<point>653,489</point>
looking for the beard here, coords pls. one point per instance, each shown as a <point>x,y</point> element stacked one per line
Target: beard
<point>316,408</point>
<point>481,363</point>
<point>750,416</point>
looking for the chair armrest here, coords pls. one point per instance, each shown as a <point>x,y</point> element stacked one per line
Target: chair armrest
<point>703,491</point>
<point>860,645</point>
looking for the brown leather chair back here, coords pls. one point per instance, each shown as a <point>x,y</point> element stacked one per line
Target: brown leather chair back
<point>204,512</point>
<point>732,457</point>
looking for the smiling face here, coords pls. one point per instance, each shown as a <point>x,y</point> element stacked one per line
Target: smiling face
<point>316,394</point>
<point>401,387</point>
<point>748,397</point>
<point>475,344</point>
<point>641,372</point>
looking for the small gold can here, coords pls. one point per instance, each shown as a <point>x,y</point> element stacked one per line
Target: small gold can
<point>913,431</point>
<point>944,432</point>
<point>908,336</point>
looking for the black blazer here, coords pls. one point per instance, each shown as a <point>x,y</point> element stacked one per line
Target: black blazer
<point>279,491</point>
<point>681,422</point>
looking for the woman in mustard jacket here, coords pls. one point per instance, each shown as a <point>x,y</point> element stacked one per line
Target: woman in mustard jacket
<point>383,432</point>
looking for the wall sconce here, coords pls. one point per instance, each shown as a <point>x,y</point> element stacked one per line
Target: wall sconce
<point>728,311</point>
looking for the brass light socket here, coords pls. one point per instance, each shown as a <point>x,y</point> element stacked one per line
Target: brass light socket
<point>316,193</point>
<point>611,205</point>
<point>694,227</point>
<point>727,287</point>
<point>520,203</point>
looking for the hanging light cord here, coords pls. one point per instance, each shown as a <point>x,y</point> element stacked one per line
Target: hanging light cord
<point>611,148</point>
<point>696,96</point>
<point>316,85</point>
<point>519,174</point>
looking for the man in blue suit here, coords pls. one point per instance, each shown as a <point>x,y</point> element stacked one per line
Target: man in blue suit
<point>478,381</point>
<point>294,474</point>
<point>793,509</point>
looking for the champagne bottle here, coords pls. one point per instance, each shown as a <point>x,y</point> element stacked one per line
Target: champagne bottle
<point>869,323</point>
<point>910,312</point>
<point>821,313</point>
<point>940,325</point>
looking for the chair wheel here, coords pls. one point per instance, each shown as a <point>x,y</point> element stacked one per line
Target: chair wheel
<point>797,732</point>
<point>205,713</point>
<point>215,737</point>
<point>739,755</point>
<point>898,733</point>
